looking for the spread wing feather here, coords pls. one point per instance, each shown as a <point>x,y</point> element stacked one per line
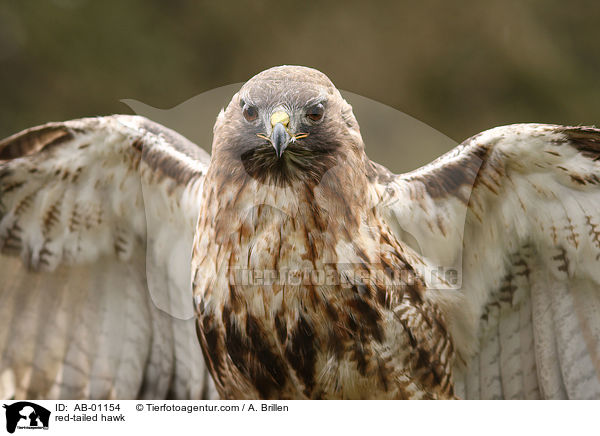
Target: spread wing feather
<point>96,228</point>
<point>516,211</point>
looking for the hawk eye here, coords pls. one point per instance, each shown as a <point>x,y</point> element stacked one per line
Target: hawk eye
<point>315,113</point>
<point>250,113</point>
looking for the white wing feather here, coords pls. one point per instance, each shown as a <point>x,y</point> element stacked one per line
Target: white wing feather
<point>517,210</point>
<point>101,212</point>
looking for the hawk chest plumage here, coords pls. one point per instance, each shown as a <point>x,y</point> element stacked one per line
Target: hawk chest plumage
<point>296,298</point>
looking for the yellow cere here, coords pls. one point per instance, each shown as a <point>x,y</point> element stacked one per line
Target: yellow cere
<point>280,117</point>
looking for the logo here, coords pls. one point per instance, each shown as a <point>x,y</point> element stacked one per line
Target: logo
<point>26,415</point>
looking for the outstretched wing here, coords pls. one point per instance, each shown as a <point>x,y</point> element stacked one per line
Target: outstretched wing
<point>508,224</point>
<point>96,228</point>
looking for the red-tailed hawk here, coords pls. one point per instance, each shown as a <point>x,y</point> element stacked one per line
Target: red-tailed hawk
<point>315,272</point>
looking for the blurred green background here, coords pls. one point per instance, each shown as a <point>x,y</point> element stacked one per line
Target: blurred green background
<point>460,67</point>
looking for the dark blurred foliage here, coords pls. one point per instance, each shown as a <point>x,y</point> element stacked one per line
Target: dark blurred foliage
<point>459,66</point>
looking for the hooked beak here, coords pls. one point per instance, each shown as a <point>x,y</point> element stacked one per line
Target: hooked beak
<point>280,138</point>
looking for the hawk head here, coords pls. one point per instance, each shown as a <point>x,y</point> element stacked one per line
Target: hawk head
<point>287,124</point>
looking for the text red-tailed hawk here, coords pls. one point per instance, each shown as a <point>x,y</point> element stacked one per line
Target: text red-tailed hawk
<point>315,272</point>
